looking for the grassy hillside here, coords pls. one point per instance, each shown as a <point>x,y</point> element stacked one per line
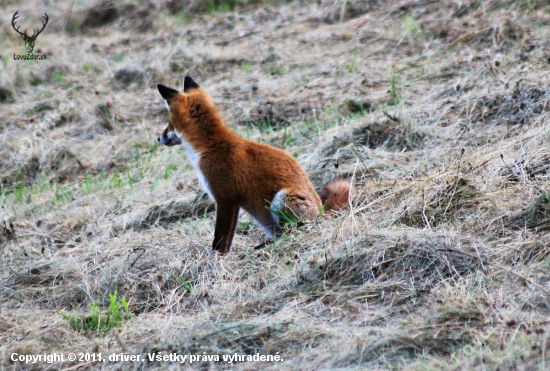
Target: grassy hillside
<point>438,110</point>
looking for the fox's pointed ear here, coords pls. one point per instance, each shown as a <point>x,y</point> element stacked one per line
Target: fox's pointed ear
<point>189,83</point>
<point>167,93</point>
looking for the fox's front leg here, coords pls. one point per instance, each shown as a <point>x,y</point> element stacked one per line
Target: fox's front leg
<point>227,215</point>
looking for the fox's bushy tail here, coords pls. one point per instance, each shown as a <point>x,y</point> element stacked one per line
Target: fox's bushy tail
<point>336,195</point>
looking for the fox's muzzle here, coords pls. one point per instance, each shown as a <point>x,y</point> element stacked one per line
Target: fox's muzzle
<point>170,139</point>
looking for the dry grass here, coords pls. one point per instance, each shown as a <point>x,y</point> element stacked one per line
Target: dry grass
<point>439,110</point>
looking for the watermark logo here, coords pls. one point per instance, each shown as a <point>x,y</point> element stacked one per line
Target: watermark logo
<point>29,40</point>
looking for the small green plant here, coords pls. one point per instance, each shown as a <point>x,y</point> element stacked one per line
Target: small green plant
<point>285,139</point>
<point>19,192</point>
<point>98,322</point>
<point>287,217</point>
<point>354,56</point>
<point>101,179</point>
<point>545,199</point>
<point>44,183</point>
<point>246,66</point>
<point>277,70</point>
<point>395,94</point>
<point>17,174</point>
<point>64,194</point>
<point>155,184</point>
<point>115,181</point>
<point>152,151</point>
<point>168,171</point>
<point>321,211</point>
<point>410,25</point>
<point>186,285</point>
<point>139,165</point>
<point>58,77</point>
<point>243,227</point>
<point>88,184</point>
<point>221,6</point>
<point>264,125</point>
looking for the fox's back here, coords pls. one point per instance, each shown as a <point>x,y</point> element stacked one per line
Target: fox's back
<point>252,173</point>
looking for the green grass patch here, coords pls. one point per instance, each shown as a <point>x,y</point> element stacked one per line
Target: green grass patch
<point>58,77</point>
<point>287,217</point>
<point>168,171</point>
<point>221,6</point>
<point>64,194</point>
<point>101,323</point>
<point>410,25</point>
<point>185,283</point>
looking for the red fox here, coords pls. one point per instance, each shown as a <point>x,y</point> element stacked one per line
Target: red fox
<point>237,173</point>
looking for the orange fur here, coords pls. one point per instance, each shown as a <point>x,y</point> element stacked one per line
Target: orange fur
<point>238,173</point>
<point>336,194</point>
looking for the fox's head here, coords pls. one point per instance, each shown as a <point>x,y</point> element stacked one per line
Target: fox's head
<point>184,109</point>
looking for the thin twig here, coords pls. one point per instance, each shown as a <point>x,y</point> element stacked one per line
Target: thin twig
<point>364,165</point>
<point>462,150</point>
<point>136,259</point>
<point>69,17</point>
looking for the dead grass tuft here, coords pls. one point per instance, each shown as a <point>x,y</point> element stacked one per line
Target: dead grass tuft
<point>101,14</point>
<point>536,216</point>
<point>445,200</point>
<point>518,106</point>
<point>172,212</point>
<point>390,269</point>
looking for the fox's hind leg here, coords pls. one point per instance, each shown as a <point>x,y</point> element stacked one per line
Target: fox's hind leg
<point>286,208</point>
<point>270,226</point>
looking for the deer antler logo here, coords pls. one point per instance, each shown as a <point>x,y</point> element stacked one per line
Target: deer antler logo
<point>29,40</point>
